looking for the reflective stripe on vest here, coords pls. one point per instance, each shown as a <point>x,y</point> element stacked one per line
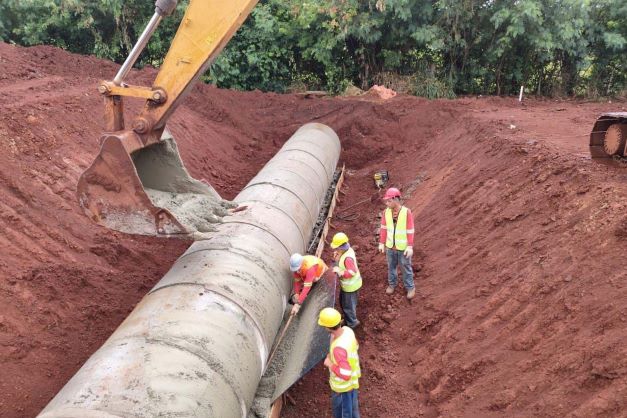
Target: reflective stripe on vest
<point>396,236</point>
<point>354,283</point>
<point>312,260</point>
<point>348,342</point>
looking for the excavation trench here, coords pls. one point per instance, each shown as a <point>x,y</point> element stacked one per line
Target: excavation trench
<point>304,343</point>
<point>198,343</point>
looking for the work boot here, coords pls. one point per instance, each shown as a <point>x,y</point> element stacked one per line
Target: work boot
<point>411,293</point>
<point>355,325</point>
<point>389,290</point>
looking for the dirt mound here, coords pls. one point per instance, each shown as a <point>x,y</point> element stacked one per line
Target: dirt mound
<point>381,92</point>
<point>522,298</point>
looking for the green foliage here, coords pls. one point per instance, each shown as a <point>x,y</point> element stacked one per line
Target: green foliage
<point>256,57</point>
<point>105,28</point>
<point>433,88</point>
<point>552,47</point>
<point>607,34</point>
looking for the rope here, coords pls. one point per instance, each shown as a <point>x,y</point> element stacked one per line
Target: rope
<point>348,217</point>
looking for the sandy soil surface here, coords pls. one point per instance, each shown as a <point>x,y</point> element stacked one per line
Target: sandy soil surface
<point>522,294</point>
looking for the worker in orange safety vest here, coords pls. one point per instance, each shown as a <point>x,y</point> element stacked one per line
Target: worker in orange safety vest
<point>307,270</point>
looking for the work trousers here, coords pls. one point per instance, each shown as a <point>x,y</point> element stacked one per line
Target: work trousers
<point>396,257</point>
<point>348,302</point>
<point>345,404</point>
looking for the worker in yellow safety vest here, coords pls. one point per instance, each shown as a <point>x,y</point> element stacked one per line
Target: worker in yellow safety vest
<point>396,240</point>
<point>307,270</point>
<point>343,364</point>
<point>350,278</point>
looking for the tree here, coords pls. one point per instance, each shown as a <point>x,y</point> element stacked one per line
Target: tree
<point>607,34</point>
<point>257,56</point>
<point>553,47</point>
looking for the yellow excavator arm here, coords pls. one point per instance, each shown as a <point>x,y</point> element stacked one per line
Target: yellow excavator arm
<point>137,183</point>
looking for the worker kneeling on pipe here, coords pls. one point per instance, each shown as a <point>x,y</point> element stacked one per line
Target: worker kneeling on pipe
<point>350,278</point>
<point>307,270</point>
<point>343,364</point>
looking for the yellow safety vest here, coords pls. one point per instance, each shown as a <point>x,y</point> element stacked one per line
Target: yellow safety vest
<point>348,342</point>
<point>354,283</point>
<point>396,234</point>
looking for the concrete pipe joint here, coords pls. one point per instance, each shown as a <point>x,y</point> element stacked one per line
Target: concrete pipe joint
<point>198,342</point>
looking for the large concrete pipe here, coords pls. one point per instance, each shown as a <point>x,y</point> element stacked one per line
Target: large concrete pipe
<point>197,344</point>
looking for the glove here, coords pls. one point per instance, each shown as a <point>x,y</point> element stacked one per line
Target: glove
<point>381,248</point>
<point>295,298</point>
<point>295,309</point>
<point>336,270</point>
<point>409,251</point>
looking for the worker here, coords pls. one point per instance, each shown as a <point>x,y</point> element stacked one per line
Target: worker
<point>343,364</point>
<point>396,240</point>
<point>307,270</point>
<point>350,278</point>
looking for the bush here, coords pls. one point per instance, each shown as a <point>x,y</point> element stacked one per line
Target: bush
<point>431,87</point>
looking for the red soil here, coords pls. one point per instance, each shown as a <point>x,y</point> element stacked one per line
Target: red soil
<point>522,296</point>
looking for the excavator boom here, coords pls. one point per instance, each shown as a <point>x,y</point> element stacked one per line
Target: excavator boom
<point>137,182</point>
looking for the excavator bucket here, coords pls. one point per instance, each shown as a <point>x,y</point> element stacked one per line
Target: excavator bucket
<point>148,191</point>
<point>609,136</point>
<point>137,183</point>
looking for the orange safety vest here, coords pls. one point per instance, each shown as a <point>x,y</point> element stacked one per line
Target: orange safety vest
<point>308,261</point>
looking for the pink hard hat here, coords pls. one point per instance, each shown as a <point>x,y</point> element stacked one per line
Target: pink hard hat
<point>391,193</point>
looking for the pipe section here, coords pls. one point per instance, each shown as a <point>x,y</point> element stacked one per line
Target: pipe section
<point>198,342</point>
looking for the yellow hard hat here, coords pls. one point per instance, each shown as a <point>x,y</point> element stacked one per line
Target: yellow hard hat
<point>339,239</point>
<point>329,318</point>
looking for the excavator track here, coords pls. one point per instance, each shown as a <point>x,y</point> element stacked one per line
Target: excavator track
<point>608,138</point>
